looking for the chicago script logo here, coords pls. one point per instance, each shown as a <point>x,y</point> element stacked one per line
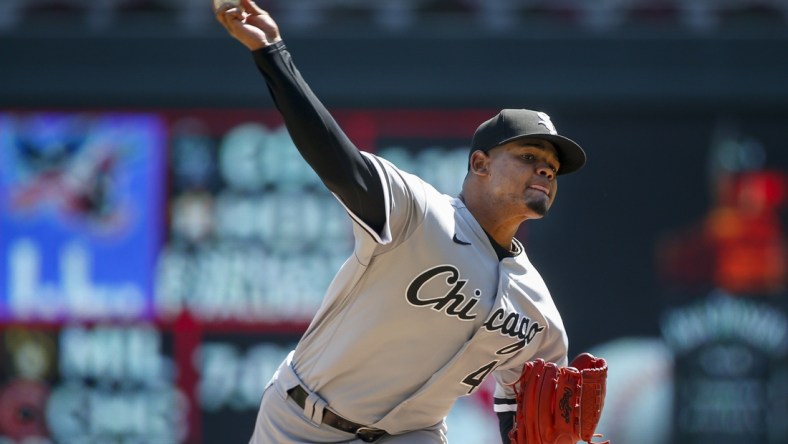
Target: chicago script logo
<point>451,300</point>
<point>514,325</point>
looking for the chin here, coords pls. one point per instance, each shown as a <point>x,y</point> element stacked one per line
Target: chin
<point>538,208</point>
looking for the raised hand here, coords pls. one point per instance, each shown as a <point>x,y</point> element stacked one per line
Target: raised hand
<point>248,23</point>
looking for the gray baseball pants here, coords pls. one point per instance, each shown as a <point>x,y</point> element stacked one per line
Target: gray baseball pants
<point>281,421</point>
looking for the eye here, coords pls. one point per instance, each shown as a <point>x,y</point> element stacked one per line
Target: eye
<point>531,158</point>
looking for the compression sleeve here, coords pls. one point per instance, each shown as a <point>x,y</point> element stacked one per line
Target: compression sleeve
<point>319,139</point>
<point>505,424</point>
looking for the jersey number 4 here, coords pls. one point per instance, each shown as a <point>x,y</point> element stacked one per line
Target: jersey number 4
<point>475,379</point>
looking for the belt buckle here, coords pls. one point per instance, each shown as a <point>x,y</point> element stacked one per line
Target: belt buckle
<point>369,434</point>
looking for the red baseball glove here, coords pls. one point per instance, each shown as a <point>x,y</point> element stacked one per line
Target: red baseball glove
<point>559,405</point>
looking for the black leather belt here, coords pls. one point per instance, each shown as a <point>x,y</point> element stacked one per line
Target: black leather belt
<point>364,433</point>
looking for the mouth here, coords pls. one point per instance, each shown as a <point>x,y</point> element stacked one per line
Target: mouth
<point>544,190</point>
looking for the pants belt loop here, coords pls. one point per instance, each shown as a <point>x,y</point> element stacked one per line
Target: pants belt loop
<point>313,408</point>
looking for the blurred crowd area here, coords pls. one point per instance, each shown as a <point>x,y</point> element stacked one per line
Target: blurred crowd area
<point>699,15</point>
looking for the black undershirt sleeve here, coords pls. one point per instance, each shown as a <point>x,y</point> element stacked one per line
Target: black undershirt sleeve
<point>320,140</point>
<point>505,423</point>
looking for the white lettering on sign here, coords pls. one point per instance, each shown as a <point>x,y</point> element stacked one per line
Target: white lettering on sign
<point>727,318</point>
<point>117,355</point>
<point>74,295</point>
<point>720,406</point>
<point>231,281</point>
<point>233,378</point>
<point>117,386</point>
<point>76,413</point>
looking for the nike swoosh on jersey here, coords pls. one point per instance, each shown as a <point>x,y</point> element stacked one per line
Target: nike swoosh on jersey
<point>459,241</point>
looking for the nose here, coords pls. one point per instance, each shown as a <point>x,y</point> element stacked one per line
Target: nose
<point>546,170</point>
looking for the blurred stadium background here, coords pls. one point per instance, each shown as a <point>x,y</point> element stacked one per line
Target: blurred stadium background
<point>162,246</point>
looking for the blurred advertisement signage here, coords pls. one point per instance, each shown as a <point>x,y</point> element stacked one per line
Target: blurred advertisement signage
<point>80,214</point>
<point>234,370</point>
<point>254,236</point>
<point>156,268</point>
<point>716,371</point>
<point>106,383</point>
<point>215,214</point>
<point>731,344</point>
<point>730,377</point>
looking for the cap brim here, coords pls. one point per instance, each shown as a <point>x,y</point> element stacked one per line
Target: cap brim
<point>571,156</point>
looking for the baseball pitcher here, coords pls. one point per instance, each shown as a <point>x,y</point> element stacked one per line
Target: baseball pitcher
<point>438,294</point>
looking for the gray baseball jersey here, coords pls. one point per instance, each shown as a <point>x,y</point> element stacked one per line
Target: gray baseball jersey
<point>421,313</point>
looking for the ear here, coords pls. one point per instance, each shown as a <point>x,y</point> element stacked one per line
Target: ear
<point>479,163</point>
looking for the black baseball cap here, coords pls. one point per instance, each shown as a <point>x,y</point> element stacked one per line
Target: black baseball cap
<point>511,124</point>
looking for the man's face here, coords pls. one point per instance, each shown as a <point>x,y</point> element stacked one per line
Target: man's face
<point>522,176</point>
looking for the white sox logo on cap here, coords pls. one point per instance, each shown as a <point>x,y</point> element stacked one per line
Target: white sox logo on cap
<point>544,119</point>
